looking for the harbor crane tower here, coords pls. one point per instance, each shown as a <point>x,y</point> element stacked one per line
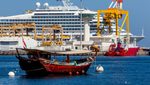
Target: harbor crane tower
<point>114,14</point>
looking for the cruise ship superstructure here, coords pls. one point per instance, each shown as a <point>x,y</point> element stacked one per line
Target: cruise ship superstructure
<point>67,16</point>
<point>70,17</point>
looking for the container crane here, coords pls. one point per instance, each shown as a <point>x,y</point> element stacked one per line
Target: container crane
<point>53,37</point>
<point>17,29</point>
<point>115,13</point>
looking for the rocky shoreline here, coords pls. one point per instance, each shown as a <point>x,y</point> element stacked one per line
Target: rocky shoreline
<point>141,52</point>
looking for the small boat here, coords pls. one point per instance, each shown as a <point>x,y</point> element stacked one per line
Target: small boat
<point>39,62</point>
<point>120,51</point>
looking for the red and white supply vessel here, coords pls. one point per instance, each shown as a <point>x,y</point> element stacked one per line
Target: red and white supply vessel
<point>120,49</point>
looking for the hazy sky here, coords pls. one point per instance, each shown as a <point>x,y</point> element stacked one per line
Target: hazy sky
<point>138,9</point>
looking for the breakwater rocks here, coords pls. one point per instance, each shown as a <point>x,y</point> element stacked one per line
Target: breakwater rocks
<point>144,51</point>
<point>8,52</point>
<point>23,53</point>
<point>141,52</point>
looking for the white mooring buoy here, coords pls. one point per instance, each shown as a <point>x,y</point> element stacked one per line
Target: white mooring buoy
<point>11,74</point>
<point>99,68</point>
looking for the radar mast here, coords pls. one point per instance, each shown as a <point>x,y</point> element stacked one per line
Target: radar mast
<point>66,3</point>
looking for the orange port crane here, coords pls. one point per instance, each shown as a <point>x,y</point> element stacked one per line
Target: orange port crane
<point>113,13</point>
<point>17,29</point>
<point>52,35</point>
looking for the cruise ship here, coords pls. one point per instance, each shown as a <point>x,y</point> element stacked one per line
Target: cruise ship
<point>70,17</point>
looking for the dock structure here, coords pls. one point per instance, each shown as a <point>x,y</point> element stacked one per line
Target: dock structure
<point>144,51</point>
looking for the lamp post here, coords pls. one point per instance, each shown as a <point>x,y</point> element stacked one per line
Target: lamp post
<point>81,3</point>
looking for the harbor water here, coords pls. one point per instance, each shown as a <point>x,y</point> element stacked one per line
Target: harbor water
<point>117,71</point>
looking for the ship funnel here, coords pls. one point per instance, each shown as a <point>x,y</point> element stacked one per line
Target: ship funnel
<point>38,4</point>
<point>46,5</point>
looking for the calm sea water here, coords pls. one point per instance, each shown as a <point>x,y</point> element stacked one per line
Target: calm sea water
<point>118,71</point>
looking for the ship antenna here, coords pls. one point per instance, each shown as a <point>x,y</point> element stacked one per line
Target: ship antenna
<point>142,31</point>
<point>81,24</point>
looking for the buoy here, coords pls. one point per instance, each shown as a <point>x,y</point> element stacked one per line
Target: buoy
<point>70,73</point>
<point>83,71</point>
<point>77,73</point>
<point>99,68</point>
<point>11,74</point>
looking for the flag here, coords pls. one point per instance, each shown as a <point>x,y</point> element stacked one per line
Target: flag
<point>24,43</point>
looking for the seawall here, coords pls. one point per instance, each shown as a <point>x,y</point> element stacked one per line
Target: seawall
<point>142,52</point>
